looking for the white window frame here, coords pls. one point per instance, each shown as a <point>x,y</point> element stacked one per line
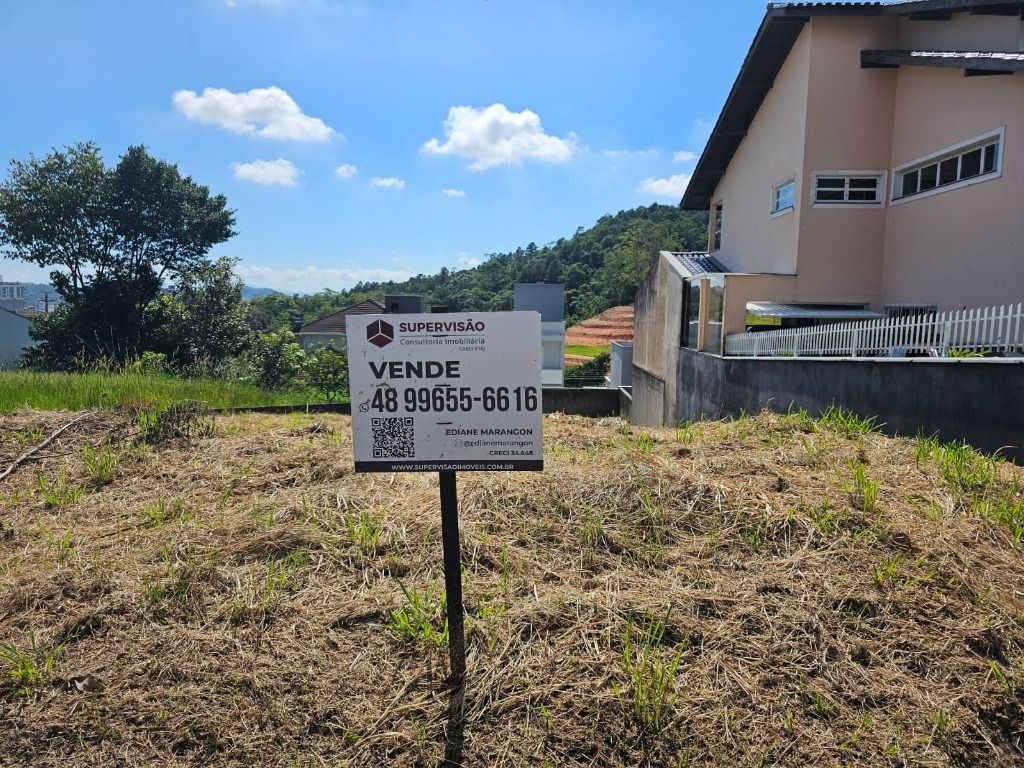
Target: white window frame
<point>776,212</point>
<point>944,154</point>
<point>720,203</point>
<point>882,187</point>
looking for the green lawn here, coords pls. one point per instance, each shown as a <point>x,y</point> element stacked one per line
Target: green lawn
<point>583,349</point>
<point>75,391</point>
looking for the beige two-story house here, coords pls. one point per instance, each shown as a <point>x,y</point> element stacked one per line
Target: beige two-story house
<point>868,161</point>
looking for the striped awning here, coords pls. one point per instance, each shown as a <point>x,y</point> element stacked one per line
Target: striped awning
<point>808,311</point>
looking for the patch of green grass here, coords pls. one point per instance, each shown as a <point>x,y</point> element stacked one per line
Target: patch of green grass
<point>26,437</point>
<point>847,422</point>
<point>862,490</point>
<point>163,511</point>
<point>63,545</point>
<point>363,531</point>
<point>31,667</point>
<point>974,477</point>
<point>649,690</point>
<point>56,491</point>
<point>591,536</point>
<point>79,391</point>
<point>826,520</point>
<point>897,571</point>
<point>419,620</point>
<point>1004,508</point>
<point>645,443</point>
<point>688,431</point>
<point>100,464</point>
<point>584,350</point>
<point>649,524</point>
<point>966,469</point>
<point>801,419</point>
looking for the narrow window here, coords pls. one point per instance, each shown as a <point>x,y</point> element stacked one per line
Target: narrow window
<point>716,242</point>
<point>950,167</point>
<point>862,189</point>
<point>784,196</point>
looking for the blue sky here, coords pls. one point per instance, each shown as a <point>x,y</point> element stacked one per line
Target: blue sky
<point>461,127</point>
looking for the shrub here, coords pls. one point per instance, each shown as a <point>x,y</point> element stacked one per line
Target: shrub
<point>275,359</point>
<point>326,371</point>
<point>590,373</point>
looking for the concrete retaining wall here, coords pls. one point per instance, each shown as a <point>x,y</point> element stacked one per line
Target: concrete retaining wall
<point>581,402</point>
<point>980,401</point>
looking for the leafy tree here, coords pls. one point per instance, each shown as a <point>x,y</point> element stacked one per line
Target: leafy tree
<point>112,237</point>
<point>205,320</point>
<point>275,359</point>
<point>326,371</point>
<point>635,251</point>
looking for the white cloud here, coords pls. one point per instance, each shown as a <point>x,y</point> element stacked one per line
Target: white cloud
<point>672,187</point>
<point>453,192</point>
<point>490,136</point>
<point>271,173</point>
<point>684,156</point>
<point>629,154</point>
<point>267,112</point>
<point>315,278</point>
<point>388,182</point>
<point>346,171</point>
<point>468,262</point>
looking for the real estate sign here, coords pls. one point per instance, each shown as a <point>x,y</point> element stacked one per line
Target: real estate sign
<point>452,392</point>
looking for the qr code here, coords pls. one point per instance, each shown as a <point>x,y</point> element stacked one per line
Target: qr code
<point>393,438</point>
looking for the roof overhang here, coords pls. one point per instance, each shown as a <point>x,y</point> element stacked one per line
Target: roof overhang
<point>804,312</point>
<point>969,61</point>
<point>772,44</point>
<point>695,263</point>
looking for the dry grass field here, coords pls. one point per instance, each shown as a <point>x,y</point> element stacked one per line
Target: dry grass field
<point>773,591</point>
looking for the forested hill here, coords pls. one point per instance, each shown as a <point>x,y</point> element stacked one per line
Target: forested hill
<point>601,267</point>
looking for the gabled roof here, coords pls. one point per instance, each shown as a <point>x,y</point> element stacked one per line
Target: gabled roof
<point>335,323</point>
<point>779,30</point>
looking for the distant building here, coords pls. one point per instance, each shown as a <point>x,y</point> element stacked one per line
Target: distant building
<point>14,337</point>
<point>549,301</point>
<point>330,330</point>
<point>12,296</point>
<point>404,304</point>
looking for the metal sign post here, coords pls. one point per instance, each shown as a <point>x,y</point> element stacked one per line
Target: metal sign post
<point>445,393</point>
<point>453,576</point>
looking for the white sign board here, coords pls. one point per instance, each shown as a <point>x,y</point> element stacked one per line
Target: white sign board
<point>446,392</point>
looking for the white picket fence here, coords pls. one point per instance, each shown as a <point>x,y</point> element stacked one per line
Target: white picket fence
<point>998,330</point>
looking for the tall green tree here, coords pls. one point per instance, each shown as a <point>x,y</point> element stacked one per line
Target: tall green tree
<point>113,238</point>
<point>204,320</point>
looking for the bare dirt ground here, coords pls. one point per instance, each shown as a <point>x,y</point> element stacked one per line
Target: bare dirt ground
<point>242,598</point>
<point>615,324</point>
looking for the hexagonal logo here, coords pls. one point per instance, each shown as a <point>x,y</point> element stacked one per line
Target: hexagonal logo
<point>379,333</point>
